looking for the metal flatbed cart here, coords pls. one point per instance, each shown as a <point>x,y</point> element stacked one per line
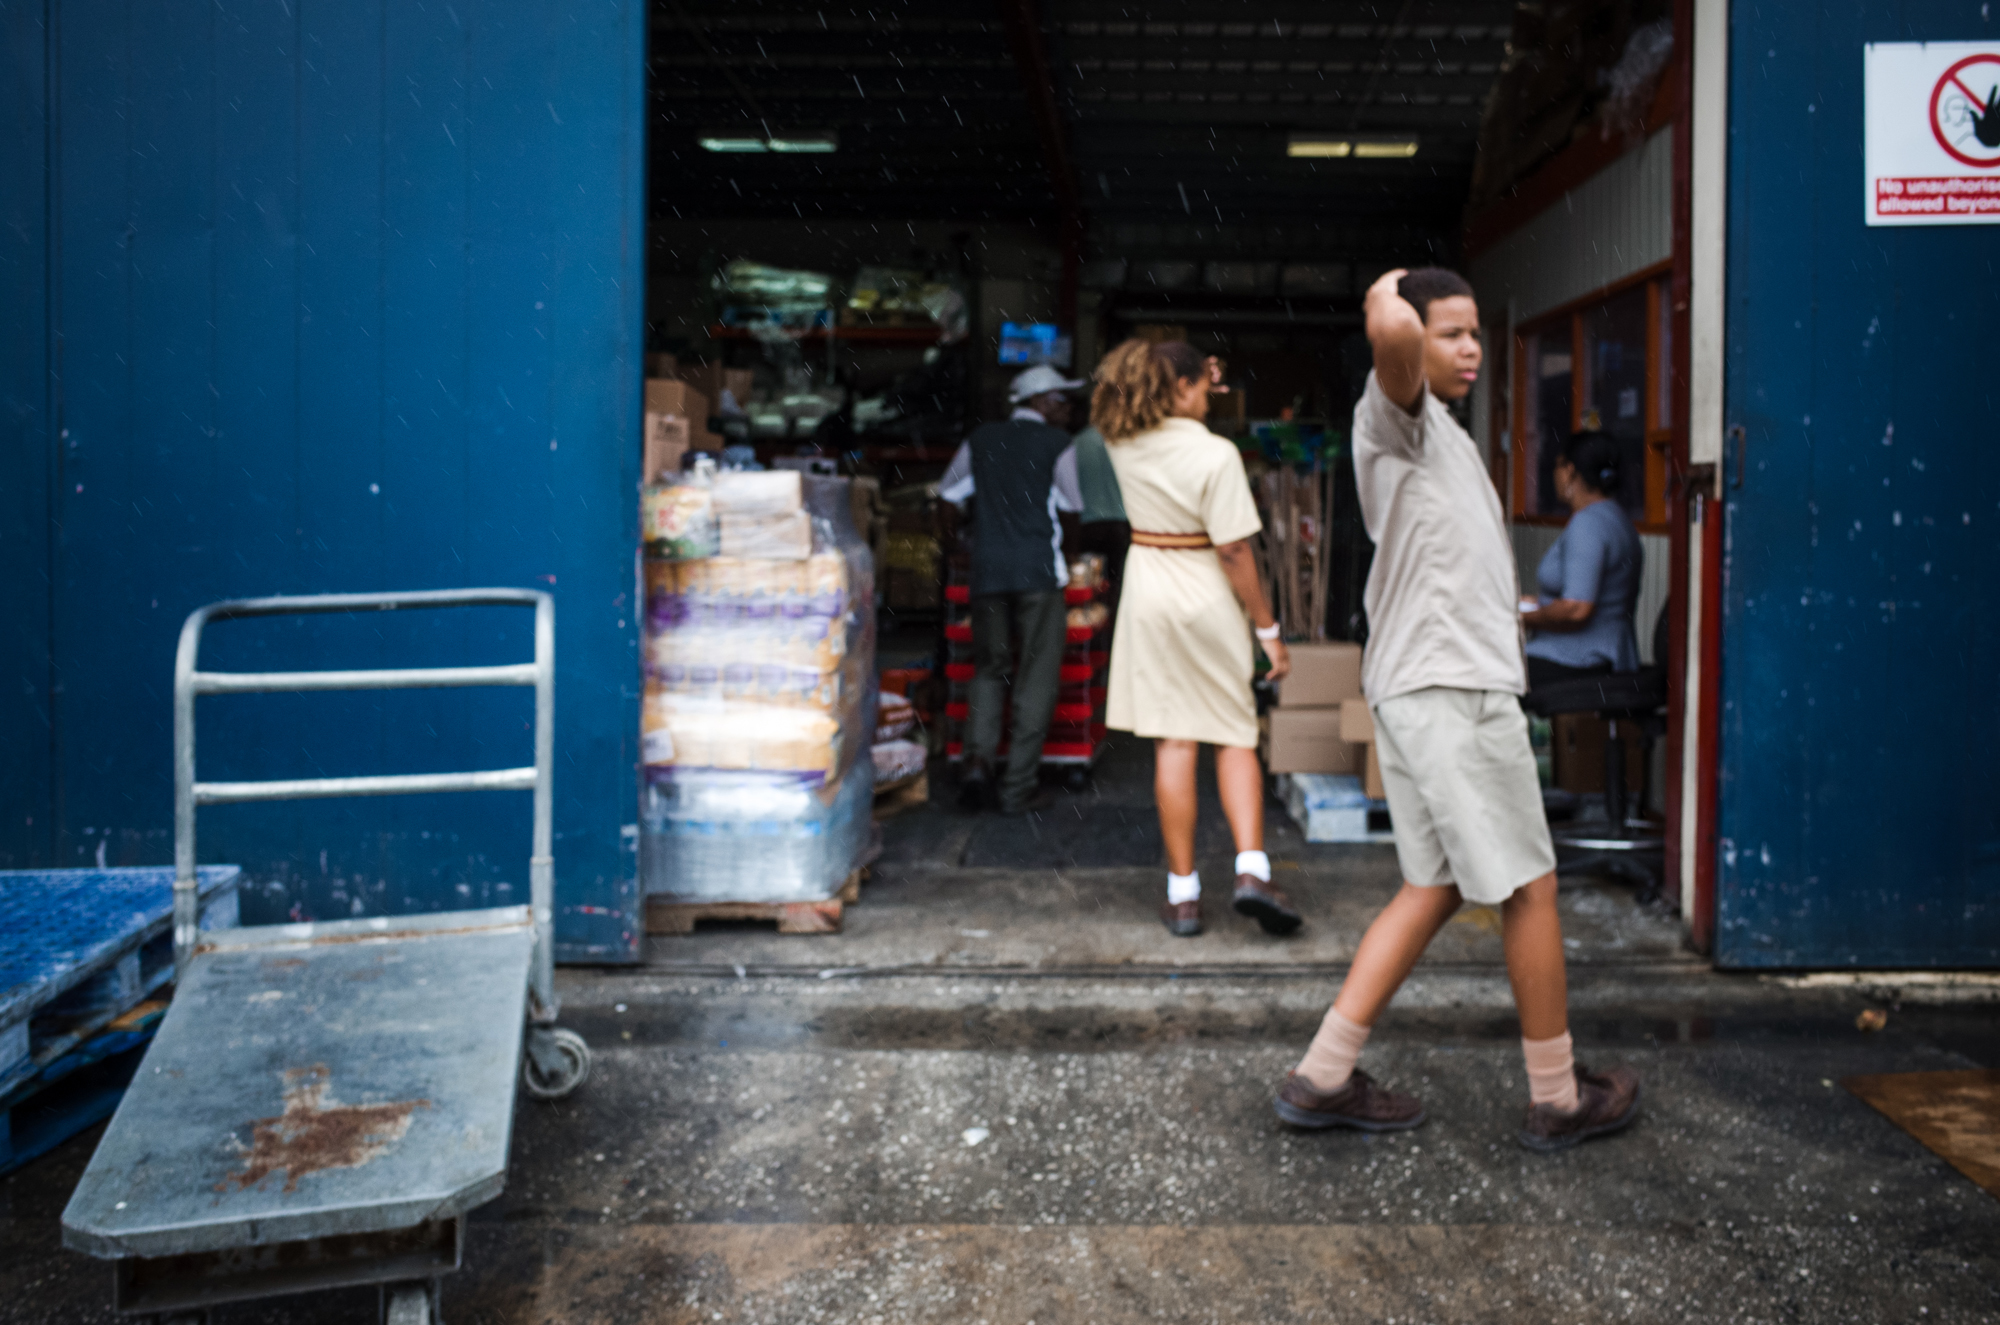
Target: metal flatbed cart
<point>325,1102</point>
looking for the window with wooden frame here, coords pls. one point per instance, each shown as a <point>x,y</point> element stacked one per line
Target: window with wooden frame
<point>1602,362</point>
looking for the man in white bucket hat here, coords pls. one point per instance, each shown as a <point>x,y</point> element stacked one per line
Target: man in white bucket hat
<point>1024,471</point>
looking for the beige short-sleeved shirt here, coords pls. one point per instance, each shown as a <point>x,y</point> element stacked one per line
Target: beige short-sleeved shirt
<point>1442,594</point>
<point>1181,660</point>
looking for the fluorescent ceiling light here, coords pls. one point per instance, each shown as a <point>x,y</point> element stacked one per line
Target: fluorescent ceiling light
<point>812,141</point>
<point>1363,149</point>
<point>1308,145</point>
<point>825,141</point>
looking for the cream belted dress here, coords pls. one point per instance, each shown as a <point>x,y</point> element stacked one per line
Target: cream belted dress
<point>1182,655</point>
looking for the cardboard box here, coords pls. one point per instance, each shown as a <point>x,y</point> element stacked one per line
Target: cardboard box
<point>670,395</point>
<point>712,379</point>
<point>1357,726</point>
<point>1308,741</point>
<point>1357,722</point>
<point>1579,740</point>
<point>667,440</point>
<point>1324,673</point>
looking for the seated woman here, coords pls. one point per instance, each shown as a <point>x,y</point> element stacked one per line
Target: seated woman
<point>1589,581</point>
<point>1181,664</point>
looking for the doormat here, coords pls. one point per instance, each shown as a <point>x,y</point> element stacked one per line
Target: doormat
<point>1955,1114</point>
<point>1075,834</point>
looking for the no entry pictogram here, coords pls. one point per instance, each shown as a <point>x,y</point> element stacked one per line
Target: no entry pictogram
<point>1965,111</point>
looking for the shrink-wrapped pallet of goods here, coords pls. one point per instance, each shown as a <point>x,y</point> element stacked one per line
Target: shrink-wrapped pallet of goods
<point>759,699</point>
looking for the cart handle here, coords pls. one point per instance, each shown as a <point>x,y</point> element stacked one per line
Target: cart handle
<point>189,794</point>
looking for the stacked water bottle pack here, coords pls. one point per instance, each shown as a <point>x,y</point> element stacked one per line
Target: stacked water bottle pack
<point>759,690</point>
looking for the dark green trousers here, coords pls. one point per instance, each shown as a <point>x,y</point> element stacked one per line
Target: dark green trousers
<point>1034,621</point>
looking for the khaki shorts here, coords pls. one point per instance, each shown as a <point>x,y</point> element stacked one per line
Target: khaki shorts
<point>1464,797</point>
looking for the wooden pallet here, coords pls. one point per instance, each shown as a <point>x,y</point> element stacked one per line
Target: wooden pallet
<point>903,794</point>
<point>666,916</point>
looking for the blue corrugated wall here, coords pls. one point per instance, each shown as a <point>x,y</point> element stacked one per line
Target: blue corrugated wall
<point>1861,658</point>
<point>306,297</point>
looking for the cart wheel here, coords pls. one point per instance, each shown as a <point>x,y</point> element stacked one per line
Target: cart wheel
<point>557,1062</point>
<point>1077,779</point>
<point>410,1304</point>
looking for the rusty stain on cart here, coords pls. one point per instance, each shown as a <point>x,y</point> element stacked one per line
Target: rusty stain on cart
<point>314,1133</point>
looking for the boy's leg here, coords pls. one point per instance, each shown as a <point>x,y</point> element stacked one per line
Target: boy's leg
<point>1567,1104</point>
<point>1531,934</point>
<point>1414,734</point>
<point>1391,947</point>
<point>1388,950</point>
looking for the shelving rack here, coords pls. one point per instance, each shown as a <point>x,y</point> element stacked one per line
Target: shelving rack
<point>1076,730</point>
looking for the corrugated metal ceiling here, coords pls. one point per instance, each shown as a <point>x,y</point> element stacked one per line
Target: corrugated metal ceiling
<point>1174,114</point>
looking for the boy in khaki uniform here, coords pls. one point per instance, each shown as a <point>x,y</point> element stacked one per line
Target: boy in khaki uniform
<point>1443,673</point>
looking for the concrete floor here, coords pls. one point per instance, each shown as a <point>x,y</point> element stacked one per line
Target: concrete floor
<point>1005,1095</point>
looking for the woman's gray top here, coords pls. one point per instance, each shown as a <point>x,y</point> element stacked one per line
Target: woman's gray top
<point>1596,560</point>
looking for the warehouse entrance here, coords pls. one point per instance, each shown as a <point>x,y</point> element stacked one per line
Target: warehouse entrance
<point>864,223</point>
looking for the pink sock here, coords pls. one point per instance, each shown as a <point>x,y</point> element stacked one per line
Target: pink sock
<point>1329,1060</point>
<point>1551,1072</point>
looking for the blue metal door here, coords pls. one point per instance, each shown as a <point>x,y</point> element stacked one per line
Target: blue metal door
<point>316,297</point>
<point>1860,824</point>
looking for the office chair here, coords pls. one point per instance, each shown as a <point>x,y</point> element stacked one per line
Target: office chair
<point>1626,843</point>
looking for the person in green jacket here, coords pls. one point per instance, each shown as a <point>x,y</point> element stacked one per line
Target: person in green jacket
<point>1101,527</point>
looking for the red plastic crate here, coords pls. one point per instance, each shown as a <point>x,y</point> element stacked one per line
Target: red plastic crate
<point>1070,751</point>
<point>959,632</point>
<point>959,671</point>
<point>958,593</point>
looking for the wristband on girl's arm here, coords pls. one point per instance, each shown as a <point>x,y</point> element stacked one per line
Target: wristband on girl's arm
<point>1270,632</point>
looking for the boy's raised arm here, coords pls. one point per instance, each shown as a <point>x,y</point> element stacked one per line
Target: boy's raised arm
<point>1396,333</point>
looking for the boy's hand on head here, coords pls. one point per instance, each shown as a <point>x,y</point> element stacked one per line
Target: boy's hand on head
<point>1384,292</point>
<point>1396,333</point>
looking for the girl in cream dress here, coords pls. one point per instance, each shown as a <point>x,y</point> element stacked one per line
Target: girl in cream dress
<point>1181,658</point>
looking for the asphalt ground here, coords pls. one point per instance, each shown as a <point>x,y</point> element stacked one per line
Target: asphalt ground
<point>1006,1095</point>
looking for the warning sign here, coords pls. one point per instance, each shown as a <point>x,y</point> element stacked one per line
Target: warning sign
<point>1932,138</point>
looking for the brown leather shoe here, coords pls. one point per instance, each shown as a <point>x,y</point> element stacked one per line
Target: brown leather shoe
<point>1183,919</point>
<point>1360,1104</point>
<point>1606,1102</point>
<point>1263,903</point>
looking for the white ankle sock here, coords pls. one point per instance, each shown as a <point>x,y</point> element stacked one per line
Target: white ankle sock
<point>1183,888</point>
<point>1254,863</point>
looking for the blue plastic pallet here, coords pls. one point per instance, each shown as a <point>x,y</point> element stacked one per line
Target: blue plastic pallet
<point>80,947</point>
<point>77,1090</point>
